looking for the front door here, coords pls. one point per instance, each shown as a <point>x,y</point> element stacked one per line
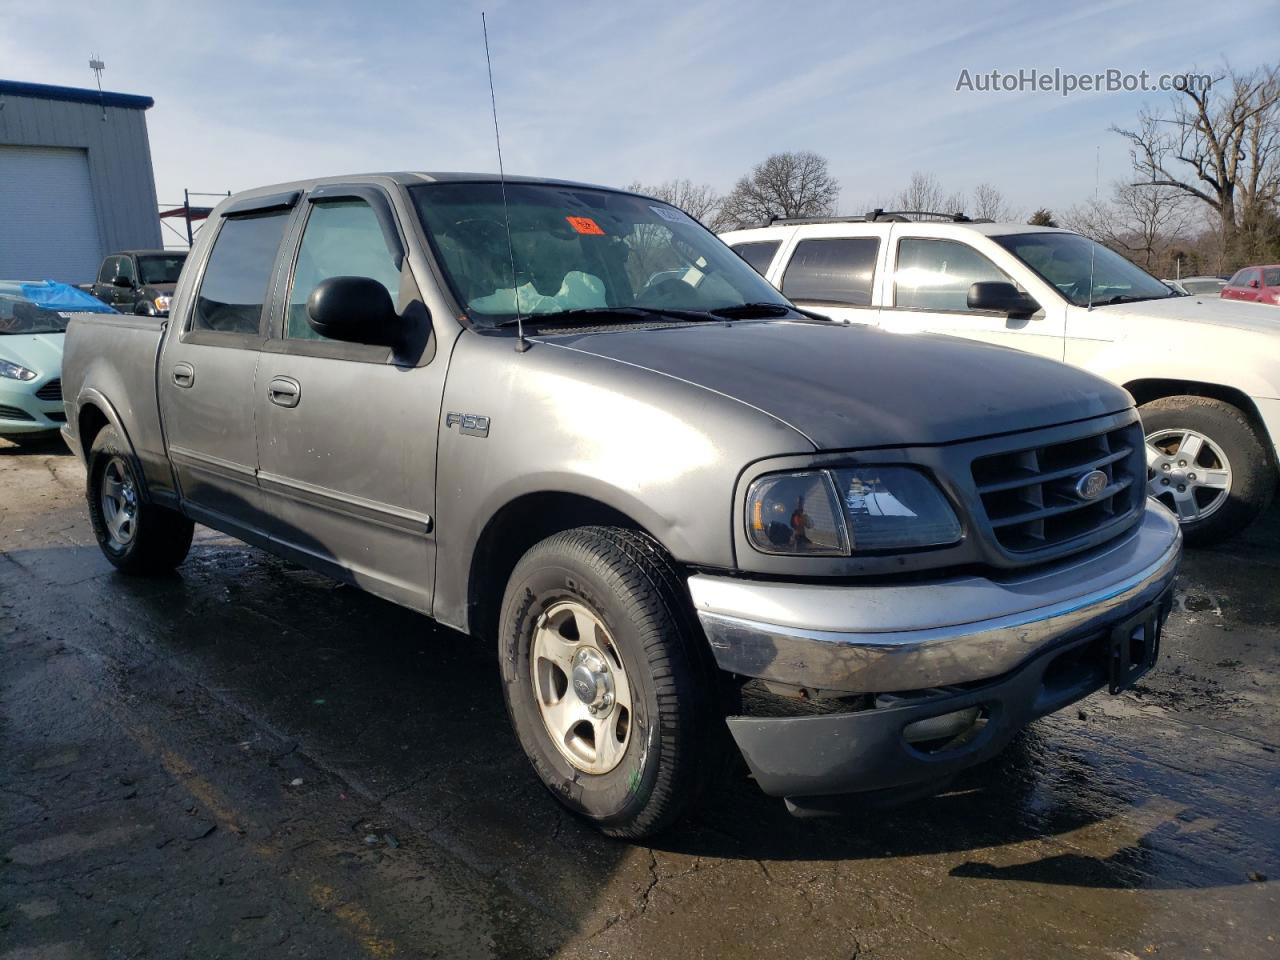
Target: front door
<point>346,431</point>
<point>207,373</point>
<point>930,292</point>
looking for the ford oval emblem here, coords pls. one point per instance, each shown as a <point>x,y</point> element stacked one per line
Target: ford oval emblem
<point>1091,485</point>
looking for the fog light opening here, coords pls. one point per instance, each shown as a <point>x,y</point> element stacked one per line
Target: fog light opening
<point>947,732</point>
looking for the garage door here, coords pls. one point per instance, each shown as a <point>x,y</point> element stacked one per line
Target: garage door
<point>48,227</point>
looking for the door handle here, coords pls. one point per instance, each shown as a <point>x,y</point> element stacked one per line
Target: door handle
<point>184,374</point>
<point>284,391</point>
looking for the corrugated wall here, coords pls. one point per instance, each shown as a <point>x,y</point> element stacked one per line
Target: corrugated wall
<point>124,185</point>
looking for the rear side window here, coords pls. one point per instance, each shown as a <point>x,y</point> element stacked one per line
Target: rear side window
<point>937,274</point>
<point>234,287</point>
<point>837,270</point>
<point>1271,277</point>
<point>758,253</point>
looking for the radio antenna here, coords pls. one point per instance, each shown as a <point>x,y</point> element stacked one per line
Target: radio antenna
<point>521,344</point>
<point>1097,165</point>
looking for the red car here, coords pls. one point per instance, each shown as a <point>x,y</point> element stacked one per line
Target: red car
<point>1259,284</point>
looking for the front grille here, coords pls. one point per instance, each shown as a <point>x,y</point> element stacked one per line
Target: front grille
<point>13,413</point>
<point>1030,495</point>
<point>51,391</point>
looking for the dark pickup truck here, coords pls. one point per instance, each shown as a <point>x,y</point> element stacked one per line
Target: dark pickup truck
<point>570,421</point>
<point>139,281</point>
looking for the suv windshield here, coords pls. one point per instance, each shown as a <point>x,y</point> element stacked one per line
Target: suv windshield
<point>22,316</point>
<point>579,249</point>
<point>161,269</point>
<point>1068,260</point>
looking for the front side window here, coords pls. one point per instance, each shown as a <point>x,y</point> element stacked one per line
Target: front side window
<point>576,248</point>
<point>124,268</point>
<point>342,238</point>
<point>758,253</point>
<point>1240,279</point>
<point>837,271</point>
<point>937,274</point>
<point>161,269</point>
<point>1083,271</point>
<point>234,287</point>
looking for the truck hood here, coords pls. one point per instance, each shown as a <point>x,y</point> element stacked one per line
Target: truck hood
<point>1211,311</point>
<point>41,352</point>
<point>846,386</point>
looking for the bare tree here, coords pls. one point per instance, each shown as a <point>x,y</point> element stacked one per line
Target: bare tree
<point>1220,145</point>
<point>1141,222</point>
<point>988,203</point>
<point>699,200</point>
<point>925,193</point>
<point>785,185</point>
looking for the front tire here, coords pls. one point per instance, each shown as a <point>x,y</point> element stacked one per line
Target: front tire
<point>136,536</point>
<point>610,694</point>
<point>1206,463</point>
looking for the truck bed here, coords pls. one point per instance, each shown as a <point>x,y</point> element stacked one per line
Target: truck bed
<point>117,353</point>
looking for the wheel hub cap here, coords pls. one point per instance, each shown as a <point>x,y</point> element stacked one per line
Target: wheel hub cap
<point>119,502</point>
<point>581,688</point>
<point>1188,473</point>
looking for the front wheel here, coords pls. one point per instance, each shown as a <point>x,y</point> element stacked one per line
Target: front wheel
<point>607,687</point>
<point>136,536</point>
<point>1206,463</point>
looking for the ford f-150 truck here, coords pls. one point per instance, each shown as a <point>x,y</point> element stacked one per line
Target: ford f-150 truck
<point>1204,371</point>
<point>568,419</point>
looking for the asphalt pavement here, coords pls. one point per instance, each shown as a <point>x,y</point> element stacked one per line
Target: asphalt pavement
<point>246,759</point>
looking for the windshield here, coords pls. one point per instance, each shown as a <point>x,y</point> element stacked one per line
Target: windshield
<point>1203,286</point>
<point>1068,261</point>
<point>578,249</point>
<point>161,269</point>
<point>21,316</point>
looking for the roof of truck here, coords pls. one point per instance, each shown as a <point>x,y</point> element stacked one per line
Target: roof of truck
<point>409,178</point>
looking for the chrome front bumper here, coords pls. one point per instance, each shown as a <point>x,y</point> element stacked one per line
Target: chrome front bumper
<point>896,637</point>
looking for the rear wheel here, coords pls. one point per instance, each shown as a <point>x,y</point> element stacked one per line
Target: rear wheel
<point>608,689</point>
<point>136,536</point>
<point>1206,463</point>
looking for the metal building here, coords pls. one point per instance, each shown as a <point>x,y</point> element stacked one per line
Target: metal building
<point>75,180</point>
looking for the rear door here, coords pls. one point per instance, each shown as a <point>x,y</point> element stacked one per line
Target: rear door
<point>347,431</point>
<point>207,372</point>
<point>928,291</point>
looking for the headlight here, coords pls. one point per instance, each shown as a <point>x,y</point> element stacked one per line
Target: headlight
<point>15,372</point>
<point>162,303</point>
<point>838,512</point>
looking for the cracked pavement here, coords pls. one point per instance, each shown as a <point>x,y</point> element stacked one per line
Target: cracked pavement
<point>247,759</point>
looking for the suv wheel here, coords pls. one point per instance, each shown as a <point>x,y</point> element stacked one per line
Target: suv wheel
<point>1206,463</point>
<point>608,687</point>
<point>136,536</point>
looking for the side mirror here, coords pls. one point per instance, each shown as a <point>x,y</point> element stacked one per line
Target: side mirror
<point>120,280</point>
<point>356,310</point>
<point>1000,297</point>
<point>1254,283</point>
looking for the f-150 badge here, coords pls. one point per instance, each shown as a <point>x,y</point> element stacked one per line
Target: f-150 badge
<point>468,424</point>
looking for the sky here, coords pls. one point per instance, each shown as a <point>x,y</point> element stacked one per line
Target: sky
<point>248,94</point>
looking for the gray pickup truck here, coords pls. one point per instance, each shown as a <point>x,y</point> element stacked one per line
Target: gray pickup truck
<point>568,419</point>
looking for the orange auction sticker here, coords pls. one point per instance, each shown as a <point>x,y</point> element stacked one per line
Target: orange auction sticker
<point>585,225</point>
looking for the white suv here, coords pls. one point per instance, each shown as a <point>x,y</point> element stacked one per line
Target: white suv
<point>1204,371</point>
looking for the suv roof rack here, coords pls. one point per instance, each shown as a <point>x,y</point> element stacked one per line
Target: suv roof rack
<point>879,216</point>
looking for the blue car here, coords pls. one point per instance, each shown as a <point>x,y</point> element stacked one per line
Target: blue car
<point>33,324</point>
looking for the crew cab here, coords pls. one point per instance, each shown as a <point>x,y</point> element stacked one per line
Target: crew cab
<point>139,281</point>
<point>569,420</point>
<point>1205,373</point>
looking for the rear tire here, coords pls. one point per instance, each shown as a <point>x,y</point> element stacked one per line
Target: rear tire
<point>136,536</point>
<point>613,606</point>
<point>1224,449</point>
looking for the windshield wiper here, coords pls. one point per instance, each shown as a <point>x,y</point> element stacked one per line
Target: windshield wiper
<point>748,311</point>
<point>589,313</point>
<point>1126,298</point>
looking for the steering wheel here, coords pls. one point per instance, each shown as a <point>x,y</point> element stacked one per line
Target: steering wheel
<point>664,292</point>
